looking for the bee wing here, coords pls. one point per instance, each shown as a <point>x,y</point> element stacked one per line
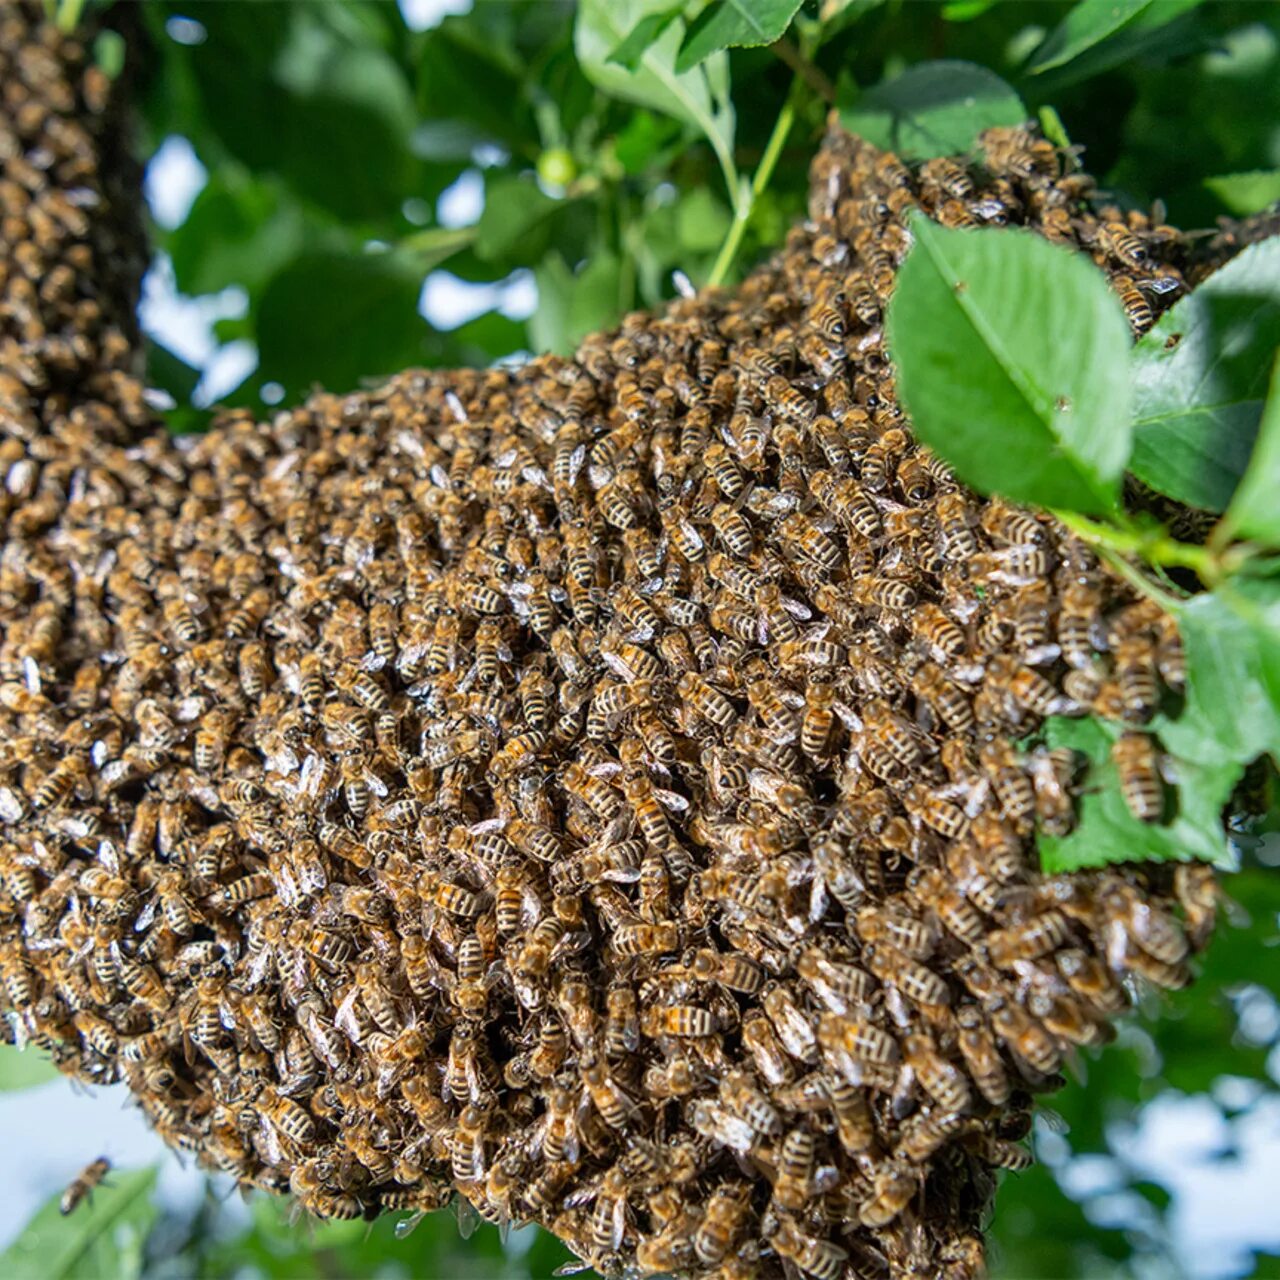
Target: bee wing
<point>468,1218</point>
<point>672,800</point>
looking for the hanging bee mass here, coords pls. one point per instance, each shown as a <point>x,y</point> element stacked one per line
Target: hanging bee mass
<point>592,789</point>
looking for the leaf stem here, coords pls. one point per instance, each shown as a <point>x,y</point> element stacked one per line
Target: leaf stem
<point>1157,548</point>
<point>764,171</point>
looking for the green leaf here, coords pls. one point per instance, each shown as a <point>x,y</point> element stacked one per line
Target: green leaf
<point>698,97</point>
<point>702,222</point>
<point>1199,379</point>
<point>1232,642</point>
<point>170,372</point>
<point>1093,21</point>
<point>571,306</point>
<point>1246,193</point>
<point>1011,357</point>
<point>643,34</point>
<point>1255,508</point>
<point>1052,127</point>
<point>24,1069</point>
<point>333,320</point>
<point>732,24</point>
<point>931,109</point>
<point>966,10</point>
<point>238,232</point>
<point>294,90</point>
<point>512,207</point>
<point>1089,22</point>
<point>104,1237</point>
<point>1106,832</point>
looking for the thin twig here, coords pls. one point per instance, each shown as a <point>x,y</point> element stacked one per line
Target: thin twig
<point>812,75</point>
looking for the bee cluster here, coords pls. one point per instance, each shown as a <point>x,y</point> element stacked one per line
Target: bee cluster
<point>590,788</point>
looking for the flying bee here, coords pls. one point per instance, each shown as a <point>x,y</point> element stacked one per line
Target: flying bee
<point>83,1184</point>
<point>1135,758</point>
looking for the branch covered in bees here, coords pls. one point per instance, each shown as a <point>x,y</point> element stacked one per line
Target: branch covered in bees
<point>593,789</point>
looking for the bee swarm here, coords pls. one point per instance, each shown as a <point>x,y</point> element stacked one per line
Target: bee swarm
<point>588,788</point>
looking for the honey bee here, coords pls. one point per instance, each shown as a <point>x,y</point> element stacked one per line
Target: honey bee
<point>1196,887</point>
<point>614,1105</point>
<point>1136,672</point>
<point>893,967</point>
<point>1029,940</point>
<point>83,1184</point>
<point>815,1257</point>
<point>1025,1037</point>
<point>1134,756</point>
<point>786,401</point>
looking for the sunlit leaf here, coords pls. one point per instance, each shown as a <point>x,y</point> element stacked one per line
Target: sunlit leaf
<point>1246,193</point>
<point>1232,641</point>
<point>1107,832</point>
<point>1255,508</point>
<point>103,1238</point>
<point>642,35</point>
<point>24,1068</point>
<point>698,96</point>
<point>1200,377</point>
<point>1093,21</point>
<point>726,24</point>
<point>933,109</point>
<point>1012,361</point>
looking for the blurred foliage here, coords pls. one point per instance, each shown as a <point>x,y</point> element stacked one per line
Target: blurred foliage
<point>618,143</point>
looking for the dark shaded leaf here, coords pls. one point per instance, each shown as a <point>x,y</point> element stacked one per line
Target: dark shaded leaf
<point>571,306</point>
<point>170,373</point>
<point>698,97</point>
<point>289,89</point>
<point>1200,376</point>
<point>1011,356</point>
<point>238,232</point>
<point>933,109</point>
<point>333,320</point>
<point>726,24</point>
<point>1089,22</point>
